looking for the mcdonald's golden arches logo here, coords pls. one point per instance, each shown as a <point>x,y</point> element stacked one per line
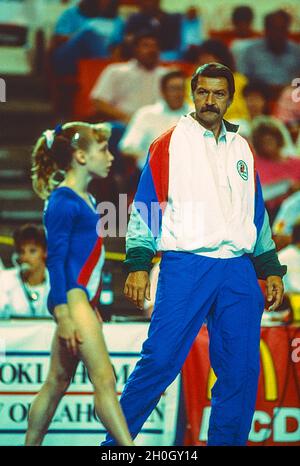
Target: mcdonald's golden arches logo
<point>269,374</point>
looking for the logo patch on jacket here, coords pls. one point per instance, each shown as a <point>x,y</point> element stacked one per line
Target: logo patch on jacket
<point>242,169</point>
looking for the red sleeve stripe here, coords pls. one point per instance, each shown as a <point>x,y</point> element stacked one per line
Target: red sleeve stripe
<point>159,165</point>
<point>90,263</point>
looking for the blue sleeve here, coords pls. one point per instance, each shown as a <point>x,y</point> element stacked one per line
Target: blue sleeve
<point>264,240</point>
<point>144,225</point>
<point>69,22</point>
<point>119,31</point>
<point>264,257</point>
<point>59,219</point>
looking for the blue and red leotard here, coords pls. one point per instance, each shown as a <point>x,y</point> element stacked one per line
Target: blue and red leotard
<point>75,251</point>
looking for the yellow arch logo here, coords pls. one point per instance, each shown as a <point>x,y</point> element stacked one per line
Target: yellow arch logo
<point>270,379</point>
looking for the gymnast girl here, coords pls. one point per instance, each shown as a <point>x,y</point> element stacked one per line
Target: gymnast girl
<point>64,161</point>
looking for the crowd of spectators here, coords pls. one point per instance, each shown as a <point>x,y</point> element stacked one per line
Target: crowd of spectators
<point>145,88</point>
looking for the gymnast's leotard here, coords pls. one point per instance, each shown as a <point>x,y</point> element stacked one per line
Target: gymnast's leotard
<point>75,251</point>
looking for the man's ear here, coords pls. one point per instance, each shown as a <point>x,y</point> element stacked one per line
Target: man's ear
<point>79,156</point>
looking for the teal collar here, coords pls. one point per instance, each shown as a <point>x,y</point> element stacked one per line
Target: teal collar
<point>222,135</point>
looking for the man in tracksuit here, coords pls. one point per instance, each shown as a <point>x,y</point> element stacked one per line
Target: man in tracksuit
<point>199,201</point>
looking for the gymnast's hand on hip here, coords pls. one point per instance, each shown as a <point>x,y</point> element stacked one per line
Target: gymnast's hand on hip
<point>66,330</point>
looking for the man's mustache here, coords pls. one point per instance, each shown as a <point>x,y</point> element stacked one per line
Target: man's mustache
<point>210,108</point>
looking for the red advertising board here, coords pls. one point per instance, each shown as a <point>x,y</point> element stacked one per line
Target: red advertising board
<point>277,417</point>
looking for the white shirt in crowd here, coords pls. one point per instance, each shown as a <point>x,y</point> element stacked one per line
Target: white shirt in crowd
<point>15,299</point>
<point>290,256</point>
<point>147,124</point>
<point>128,86</point>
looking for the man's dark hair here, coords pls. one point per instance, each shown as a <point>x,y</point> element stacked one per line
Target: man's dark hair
<point>258,87</point>
<point>286,17</point>
<point>296,233</point>
<point>29,233</point>
<point>170,75</point>
<point>144,34</point>
<point>242,13</point>
<point>214,70</point>
<point>90,9</point>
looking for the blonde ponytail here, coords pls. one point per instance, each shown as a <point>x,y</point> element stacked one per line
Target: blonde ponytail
<point>52,156</point>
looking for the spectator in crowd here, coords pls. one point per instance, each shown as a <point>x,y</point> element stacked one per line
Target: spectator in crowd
<point>279,175</point>
<point>272,59</point>
<point>242,19</point>
<point>80,15</point>
<point>151,121</point>
<point>288,215</point>
<point>291,257</point>
<point>123,88</point>
<point>287,109</point>
<point>213,50</point>
<point>192,31</point>
<point>241,28</point>
<point>242,32</point>
<point>167,27</point>
<point>256,95</point>
<point>24,289</point>
<point>98,32</point>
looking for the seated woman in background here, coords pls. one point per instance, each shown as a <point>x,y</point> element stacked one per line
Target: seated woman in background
<point>257,95</point>
<point>287,109</point>
<point>24,289</point>
<point>279,175</point>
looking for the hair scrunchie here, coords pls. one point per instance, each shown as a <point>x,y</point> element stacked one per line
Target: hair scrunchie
<point>51,133</point>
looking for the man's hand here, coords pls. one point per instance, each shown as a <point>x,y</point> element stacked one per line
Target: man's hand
<point>274,291</point>
<point>137,288</point>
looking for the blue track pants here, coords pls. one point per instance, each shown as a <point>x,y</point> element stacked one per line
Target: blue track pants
<point>192,288</point>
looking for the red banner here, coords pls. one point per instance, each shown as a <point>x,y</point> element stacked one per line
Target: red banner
<point>277,417</point>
